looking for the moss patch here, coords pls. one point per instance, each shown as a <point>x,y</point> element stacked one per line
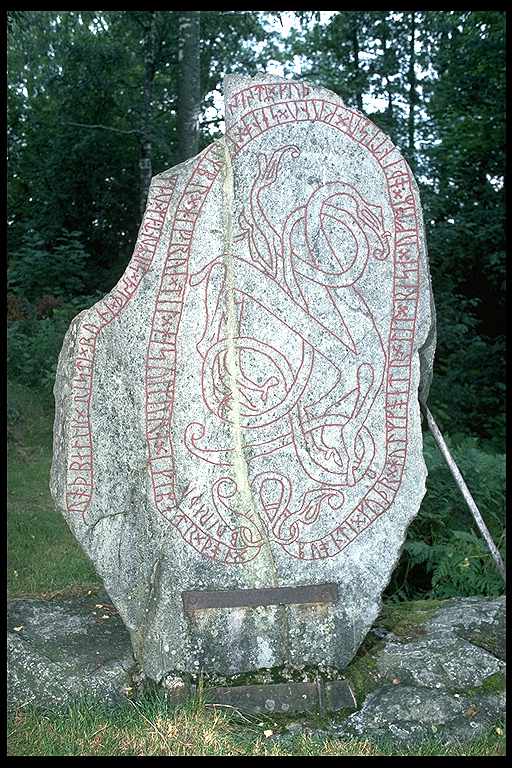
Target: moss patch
<point>491,638</point>
<point>407,620</point>
<point>491,685</point>
<point>362,673</point>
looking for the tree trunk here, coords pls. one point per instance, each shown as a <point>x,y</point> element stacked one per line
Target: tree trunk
<point>413,96</point>
<point>355,53</point>
<point>189,85</point>
<point>146,146</point>
<point>389,108</point>
<point>385,48</point>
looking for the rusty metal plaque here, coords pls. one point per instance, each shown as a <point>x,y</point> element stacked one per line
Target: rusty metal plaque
<point>282,698</point>
<point>246,598</point>
<point>286,698</point>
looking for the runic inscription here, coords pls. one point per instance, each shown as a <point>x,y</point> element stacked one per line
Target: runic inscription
<point>80,466</point>
<point>237,440</point>
<point>318,252</point>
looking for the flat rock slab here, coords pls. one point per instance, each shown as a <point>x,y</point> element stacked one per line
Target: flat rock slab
<point>59,650</point>
<point>482,623</point>
<point>422,687</point>
<point>413,714</point>
<point>286,698</point>
<point>435,662</point>
<point>444,683</point>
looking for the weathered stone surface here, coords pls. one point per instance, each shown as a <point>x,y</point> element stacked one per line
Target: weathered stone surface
<point>414,689</point>
<point>437,684</point>
<point>482,623</point>
<point>285,698</point>
<point>59,650</point>
<point>241,411</point>
<point>413,714</point>
<point>434,662</point>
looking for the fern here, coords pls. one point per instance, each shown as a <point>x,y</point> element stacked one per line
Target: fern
<point>444,556</point>
<point>466,568</point>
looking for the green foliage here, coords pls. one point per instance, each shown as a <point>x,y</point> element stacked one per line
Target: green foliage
<point>33,345</point>
<point>444,555</point>
<point>464,142</point>
<point>464,567</point>
<point>468,392</point>
<point>76,108</point>
<point>36,269</point>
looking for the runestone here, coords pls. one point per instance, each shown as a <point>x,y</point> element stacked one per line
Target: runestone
<point>240,415</point>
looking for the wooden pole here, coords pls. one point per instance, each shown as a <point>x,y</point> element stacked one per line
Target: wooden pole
<point>465,491</point>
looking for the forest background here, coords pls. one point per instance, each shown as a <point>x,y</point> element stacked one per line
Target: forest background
<point>99,101</point>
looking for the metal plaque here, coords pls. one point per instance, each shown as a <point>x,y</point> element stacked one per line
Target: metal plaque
<point>245,598</point>
<point>286,698</point>
<point>277,698</point>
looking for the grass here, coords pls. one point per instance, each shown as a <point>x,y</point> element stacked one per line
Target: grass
<point>150,727</point>
<point>43,556</point>
<point>44,559</point>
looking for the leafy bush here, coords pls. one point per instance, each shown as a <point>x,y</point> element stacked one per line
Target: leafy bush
<point>13,418</point>
<point>46,305</point>
<point>37,269</point>
<point>33,345</point>
<point>444,554</point>
<point>468,389</point>
<point>18,308</point>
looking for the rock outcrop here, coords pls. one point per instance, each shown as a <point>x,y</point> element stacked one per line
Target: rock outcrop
<point>427,670</point>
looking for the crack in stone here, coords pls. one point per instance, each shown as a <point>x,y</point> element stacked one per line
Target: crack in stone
<point>104,517</point>
<point>151,603</point>
<point>240,462</point>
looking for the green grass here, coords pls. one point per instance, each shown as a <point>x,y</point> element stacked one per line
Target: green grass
<point>150,727</point>
<point>44,559</point>
<point>43,556</point>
